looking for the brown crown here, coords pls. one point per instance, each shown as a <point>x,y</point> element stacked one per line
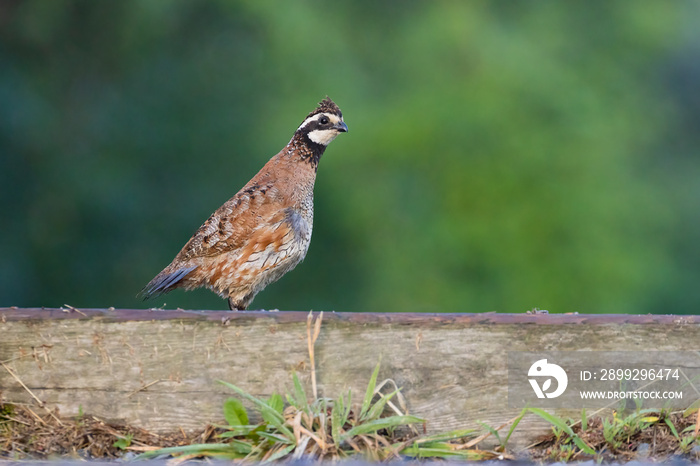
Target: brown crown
<point>326,106</point>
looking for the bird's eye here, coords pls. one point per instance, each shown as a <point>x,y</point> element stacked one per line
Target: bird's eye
<point>323,120</point>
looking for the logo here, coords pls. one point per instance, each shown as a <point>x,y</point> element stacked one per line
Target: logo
<point>542,368</point>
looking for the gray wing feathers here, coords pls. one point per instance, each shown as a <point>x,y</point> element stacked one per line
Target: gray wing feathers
<point>165,282</point>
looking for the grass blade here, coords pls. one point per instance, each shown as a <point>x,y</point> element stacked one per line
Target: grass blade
<point>276,402</point>
<point>444,450</point>
<point>560,423</point>
<point>445,436</point>
<point>673,428</point>
<point>275,438</point>
<point>554,420</point>
<point>491,430</point>
<point>377,408</point>
<point>513,426</point>
<point>383,423</point>
<point>337,418</point>
<point>348,407</point>
<point>302,402</point>
<point>692,409</point>
<point>234,412</point>
<point>270,415</point>
<point>197,448</point>
<point>277,405</point>
<point>369,394</point>
<point>258,402</point>
<point>279,454</point>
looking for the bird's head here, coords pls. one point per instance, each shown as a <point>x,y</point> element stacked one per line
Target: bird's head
<point>324,124</point>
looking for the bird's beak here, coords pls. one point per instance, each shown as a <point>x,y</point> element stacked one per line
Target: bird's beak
<point>341,127</point>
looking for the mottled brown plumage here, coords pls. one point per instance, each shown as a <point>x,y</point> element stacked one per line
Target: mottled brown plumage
<point>263,231</point>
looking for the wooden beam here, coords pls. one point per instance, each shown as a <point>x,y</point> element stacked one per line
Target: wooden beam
<point>157,369</point>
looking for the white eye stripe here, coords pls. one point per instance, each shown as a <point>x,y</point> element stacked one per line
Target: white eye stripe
<point>309,120</point>
<point>316,117</point>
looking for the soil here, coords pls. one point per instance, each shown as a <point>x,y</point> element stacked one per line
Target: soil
<point>655,443</point>
<point>29,432</point>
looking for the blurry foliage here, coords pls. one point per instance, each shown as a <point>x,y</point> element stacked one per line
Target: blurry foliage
<point>501,155</point>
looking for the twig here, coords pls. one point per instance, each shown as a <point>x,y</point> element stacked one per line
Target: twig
<point>143,388</point>
<point>142,448</point>
<point>41,403</point>
<point>17,357</point>
<point>11,419</point>
<point>71,308</point>
<point>311,341</point>
<point>320,442</point>
<point>399,397</point>
<point>38,418</point>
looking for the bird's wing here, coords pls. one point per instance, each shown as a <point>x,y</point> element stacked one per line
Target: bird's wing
<point>233,224</point>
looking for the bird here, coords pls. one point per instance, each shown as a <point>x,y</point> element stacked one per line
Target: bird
<point>262,232</point>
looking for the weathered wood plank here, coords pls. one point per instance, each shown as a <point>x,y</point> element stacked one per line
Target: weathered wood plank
<point>452,367</point>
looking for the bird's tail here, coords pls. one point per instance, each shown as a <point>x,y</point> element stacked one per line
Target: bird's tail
<point>164,282</point>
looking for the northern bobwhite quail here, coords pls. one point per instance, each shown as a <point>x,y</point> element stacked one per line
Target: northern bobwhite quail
<point>263,231</point>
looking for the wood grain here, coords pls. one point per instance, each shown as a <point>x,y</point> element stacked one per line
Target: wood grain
<point>452,367</point>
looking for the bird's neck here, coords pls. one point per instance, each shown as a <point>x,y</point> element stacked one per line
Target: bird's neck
<point>305,150</point>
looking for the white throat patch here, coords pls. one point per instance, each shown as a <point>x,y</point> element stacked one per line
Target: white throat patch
<point>323,136</point>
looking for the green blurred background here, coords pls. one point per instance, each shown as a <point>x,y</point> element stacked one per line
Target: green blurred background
<point>502,155</point>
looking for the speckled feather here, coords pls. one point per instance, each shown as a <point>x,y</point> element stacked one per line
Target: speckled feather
<point>263,231</point>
